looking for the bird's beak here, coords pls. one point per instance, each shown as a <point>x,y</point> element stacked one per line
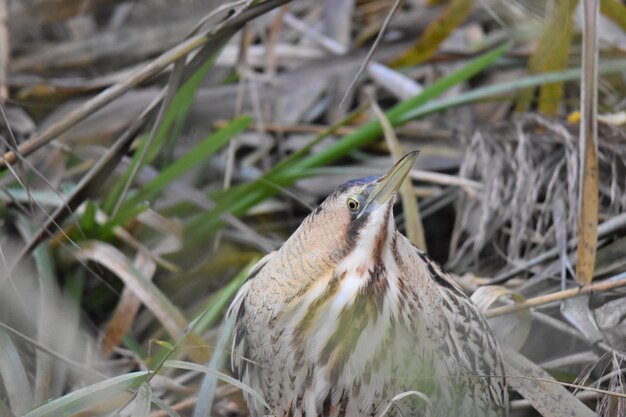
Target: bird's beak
<point>390,183</point>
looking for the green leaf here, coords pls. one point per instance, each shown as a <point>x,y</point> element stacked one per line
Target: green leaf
<point>199,154</point>
<point>88,222</point>
<point>220,375</point>
<point>165,344</point>
<point>196,156</point>
<point>492,91</point>
<point>208,387</point>
<point>89,396</point>
<point>176,113</point>
<point>13,375</point>
<point>239,199</point>
<point>143,401</point>
<point>217,303</point>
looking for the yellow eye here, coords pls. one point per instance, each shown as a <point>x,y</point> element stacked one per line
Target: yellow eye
<point>353,204</point>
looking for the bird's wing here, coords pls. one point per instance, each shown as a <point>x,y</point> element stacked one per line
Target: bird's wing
<point>441,277</point>
<point>239,359</point>
<point>235,305</point>
<point>475,345</point>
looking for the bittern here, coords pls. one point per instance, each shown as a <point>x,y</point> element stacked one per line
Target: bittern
<point>348,315</point>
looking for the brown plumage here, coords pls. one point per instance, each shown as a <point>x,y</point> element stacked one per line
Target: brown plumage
<point>348,314</point>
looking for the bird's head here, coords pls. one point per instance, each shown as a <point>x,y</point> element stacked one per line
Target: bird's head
<point>359,211</point>
<point>349,231</point>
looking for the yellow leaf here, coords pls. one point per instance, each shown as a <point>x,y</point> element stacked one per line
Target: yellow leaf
<point>588,216</point>
<point>574,117</point>
<point>426,46</point>
<point>614,10</point>
<point>551,54</point>
<point>164,344</point>
<point>412,216</point>
<point>588,148</point>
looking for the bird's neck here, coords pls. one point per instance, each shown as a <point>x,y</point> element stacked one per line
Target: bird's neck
<point>371,247</point>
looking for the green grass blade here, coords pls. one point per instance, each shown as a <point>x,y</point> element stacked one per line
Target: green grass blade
<point>373,130</point>
<point>143,401</point>
<point>208,387</point>
<point>89,396</point>
<point>220,375</point>
<point>206,393</point>
<point>49,377</point>
<point>5,411</point>
<point>199,154</point>
<point>176,113</point>
<point>13,376</point>
<point>489,92</point>
<point>166,408</point>
<point>218,303</point>
<point>241,198</point>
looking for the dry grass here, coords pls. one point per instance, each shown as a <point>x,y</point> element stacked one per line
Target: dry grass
<point>153,151</point>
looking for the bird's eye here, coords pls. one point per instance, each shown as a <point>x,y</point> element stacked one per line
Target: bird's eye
<point>353,204</point>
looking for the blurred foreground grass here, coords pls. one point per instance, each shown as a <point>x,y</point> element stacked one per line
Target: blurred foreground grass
<point>178,143</point>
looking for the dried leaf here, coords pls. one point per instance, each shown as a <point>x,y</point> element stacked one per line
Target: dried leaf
<point>576,311</point>
<point>5,411</point>
<point>338,20</point>
<point>587,214</point>
<point>588,147</point>
<point>551,399</point>
<point>610,318</point>
<point>126,310</point>
<point>615,119</point>
<point>167,313</point>
<point>512,329</point>
<point>420,395</point>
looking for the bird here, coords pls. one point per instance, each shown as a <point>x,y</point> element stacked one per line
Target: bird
<point>349,318</point>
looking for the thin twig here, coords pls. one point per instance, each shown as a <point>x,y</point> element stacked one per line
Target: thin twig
<point>604,229</point>
<point>5,53</point>
<point>606,285</point>
<point>96,176</point>
<point>370,53</point>
<point>183,405</point>
<point>567,384</point>
<point>154,67</point>
<point>293,128</point>
<point>446,179</point>
<point>518,405</point>
<point>170,91</point>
